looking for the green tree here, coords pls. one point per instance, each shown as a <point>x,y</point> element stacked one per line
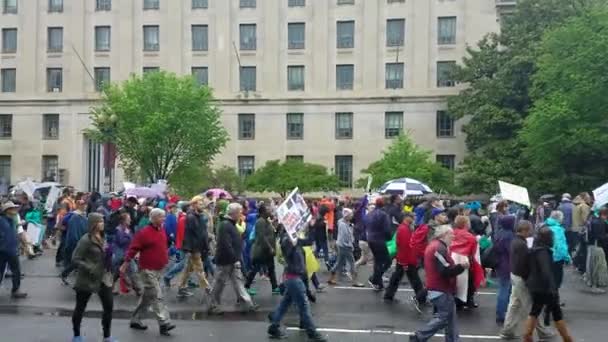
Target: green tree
<point>403,158</point>
<point>283,177</point>
<point>159,123</point>
<point>566,133</point>
<point>193,180</point>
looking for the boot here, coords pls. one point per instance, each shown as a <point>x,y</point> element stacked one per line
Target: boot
<point>563,331</point>
<point>530,326</point>
<point>332,279</point>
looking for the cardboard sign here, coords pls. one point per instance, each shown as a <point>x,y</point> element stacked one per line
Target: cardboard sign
<point>514,193</point>
<point>601,195</point>
<point>293,213</point>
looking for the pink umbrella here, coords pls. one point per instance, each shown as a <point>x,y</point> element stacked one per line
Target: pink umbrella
<point>216,193</point>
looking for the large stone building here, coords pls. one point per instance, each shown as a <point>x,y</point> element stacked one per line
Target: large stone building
<point>329,81</point>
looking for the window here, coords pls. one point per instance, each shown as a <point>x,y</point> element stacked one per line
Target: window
<point>102,38</point>
<point>394,75</point>
<point>50,168</point>
<point>346,2</point>
<point>10,6</point>
<point>54,80</point>
<point>200,4</point>
<point>247,35</point>
<point>344,125</point>
<point>247,3</point>
<point>294,158</point>
<point>295,126</point>
<point>445,124</point>
<point>147,70</point>
<point>446,160</point>
<point>8,78</point>
<point>393,124</point>
<point>5,169</point>
<point>55,6</point>
<point>246,165</point>
<point>201,75</point>
<point>103,5</point>
<point>295,77</point>
<point>102,77</point>
<point>248,78</point>
<point>344,76</point>
<point>296,3</point>
<point>345,34</point>
<point>344,170</point>
<point>199,38</point>
<point>445,72</point>
<point>50,126</point>
<point>6,125</point>
<point>246,126</point>
<point>151,4</point>
<point>9,40</point>
<point>395,32</point>
<point>151,42</point>
<point>446,30</point>
<point>296,35</point>
<point>55,39</point>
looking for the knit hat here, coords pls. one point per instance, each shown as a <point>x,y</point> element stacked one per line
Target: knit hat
<point>436,211</point>
<point>93,220</point>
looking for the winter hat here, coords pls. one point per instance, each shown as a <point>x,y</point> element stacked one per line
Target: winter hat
<point>566,196</point>
<point>93,220</point>
<point>436,211</point>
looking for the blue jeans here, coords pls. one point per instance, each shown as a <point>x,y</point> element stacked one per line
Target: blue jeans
<point>208,264</point>
<point>177,267</point>
<point>443,318</point>
<point>502,299</point>
<point>295,292</point>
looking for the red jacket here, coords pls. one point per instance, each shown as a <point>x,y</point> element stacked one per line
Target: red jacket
<point>151,244</point>
<point>465,243</point>
<point>405,253</point>
<point>440,269</point>
<point>181,230</point>
<point>419,240</point>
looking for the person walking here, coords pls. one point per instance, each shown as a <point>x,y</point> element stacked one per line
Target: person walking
<point>441,273</point>
<point>502,247</point>
<point>150,243</point>
<point>543,287</point>
<point>561,254</point>
<point>228,260</point>
<point>597,269</point>
<point>345,244</point>
<point>263,251</point>
<point>567,209</point>
<point>320,235</point>
<point>92,258</point>
<point>465,245</point>
<point>76,228</point>
<point>180,256</point>
<point>9,248</point>
<point>120,245</point>
<point>378,229</point>
<point>580,216</point>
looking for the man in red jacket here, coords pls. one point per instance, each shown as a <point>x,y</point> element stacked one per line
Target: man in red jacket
<point>151,244</point>
<point>406,264</point>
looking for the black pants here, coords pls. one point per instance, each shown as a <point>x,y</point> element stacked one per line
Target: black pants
<point>412,276</point>
<point>258,266</point>
<point>558,273</point>
<point>548,300</point>
<point>470,292</point>
<point>107,302</point>
<point>59,256</point>
<point>382,262</point>
<point>13,264</point>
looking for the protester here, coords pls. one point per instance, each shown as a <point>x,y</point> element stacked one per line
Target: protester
<point>66,206</point>
<point>465,245</point>
<point>92,258</point>
<point>580,216</point>
<point>151,244</point>
<point>441,272</point>
<point>378,229</point>
<point>249,236</point>
<point>425,232</point>
<point>561,255</point>
<point>567,208</point>
<point>394,211</point>
<point>171,223</point>
<point>196,246</point>
<point>345,243</point>
<point>76,227</point>
<point>502,247</point>
<point>320,235</point>
<point>9,245</point>
<point>180,255</point>
<point>263,251</point>
<point>597,269</point>
<point>120,245</point>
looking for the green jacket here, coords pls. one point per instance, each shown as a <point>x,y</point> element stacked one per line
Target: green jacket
<point>264,242</point>
<point>89,257</point>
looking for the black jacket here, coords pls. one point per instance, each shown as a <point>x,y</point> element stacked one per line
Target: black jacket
<point>520,257</point>
<point>196,238</point>
<point>295,259</point>
<point>598,232</point>
<point>395,215</point>
<point>229,245</point>
<point>541,278</point>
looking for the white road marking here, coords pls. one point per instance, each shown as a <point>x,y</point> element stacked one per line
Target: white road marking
<point>396,332</point>
<point>400,289</point>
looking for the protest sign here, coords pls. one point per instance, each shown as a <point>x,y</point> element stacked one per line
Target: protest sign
<point>601,195</point>
<point>514,193</point>
<point>35,233</point>
<point>293,213</point>
<point>52,197</point>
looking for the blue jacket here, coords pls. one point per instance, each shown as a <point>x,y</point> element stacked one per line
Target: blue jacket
<point>560,245</point>
<point>8,237</point>
<point>378,226</point>
<point>566,207</point>
<point>171,227</point>
<point>77,226</point>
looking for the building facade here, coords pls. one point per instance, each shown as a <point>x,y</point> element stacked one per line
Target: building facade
<point>327,81</point>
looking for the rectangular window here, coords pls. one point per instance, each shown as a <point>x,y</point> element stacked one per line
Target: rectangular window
<point>247,4</point>
<point>246,165</point>
<point>6,126</point>
<point>200,4</point>
<point>50,168</point>
<point>295,77</point>
<point>201,75</point>
<point>55,39</point>
<point>446,30</point>
<point>395,32</point>
<point>297,3</point>
<point>345,76</point>
<point>445,124</point>
<point>55,6</point>
<point>345,34</point>
<point>200,38</point>
<point>102,77</point>
<point>9,40</point>
<point>344,170</point>
<point>151,4</point>
<point>248,36</point>
<point>5,169</point>
<point>102,38</point>
<point>446,160</point>
<point>10,7</point>
<point>344,125</point>
<point>54,80</point>
<point>393,124</point>
<point>296,35</point>
<point>295,126</point>
<point>445,74</point>
<point>151,39</point>
<point>147,70</point>
<point>294,158</point>
<point>50,126</point>
<point>346,2</point>
<point>103,5</point>
<point>248,78</point>
<point>394,75</point>
<point>8,78</point>
<point>246,126</point>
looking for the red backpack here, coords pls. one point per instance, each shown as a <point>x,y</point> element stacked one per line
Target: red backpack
<point>420,240</point>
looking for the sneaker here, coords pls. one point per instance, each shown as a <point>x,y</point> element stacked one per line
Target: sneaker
<point>597,290</point>
<point>18,295</point>
<point>317,337</point>
<point>214,310</point>
<point>182,293</point>
<point>165,328</point>
<point>504,336</point>
<point>138,326</point>
<point>320,289</point>
<point>167,282</point>
<point>415,304</point>
<point>376,288</point>
<point>249,309</point>
<point>252,292</point>
<point>276,291</point>
<point>275,332</point>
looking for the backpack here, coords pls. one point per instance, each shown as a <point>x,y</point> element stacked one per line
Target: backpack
<point>489,259</point>
<point>419,239</point>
